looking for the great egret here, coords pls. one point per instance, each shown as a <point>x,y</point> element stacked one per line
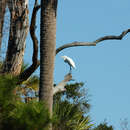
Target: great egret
<point>69,61</point>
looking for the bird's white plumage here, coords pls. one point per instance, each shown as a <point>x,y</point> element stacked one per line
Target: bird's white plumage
<point>69,61</point>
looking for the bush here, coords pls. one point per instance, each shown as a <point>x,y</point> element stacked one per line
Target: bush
<point>16,115</point>
<point>103,126</point>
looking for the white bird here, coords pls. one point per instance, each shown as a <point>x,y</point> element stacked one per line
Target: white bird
<point>69,61</point>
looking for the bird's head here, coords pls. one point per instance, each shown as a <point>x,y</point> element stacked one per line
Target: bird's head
<point>64,57</point>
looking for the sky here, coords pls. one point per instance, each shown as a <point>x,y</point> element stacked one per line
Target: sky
<point>105,68</point>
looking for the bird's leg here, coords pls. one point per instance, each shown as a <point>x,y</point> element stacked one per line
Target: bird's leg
<point>70,69</point>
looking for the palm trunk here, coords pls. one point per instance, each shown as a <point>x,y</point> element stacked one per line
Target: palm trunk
<point>18,33</point>
<point>2,14</point>
<point>47,51</point>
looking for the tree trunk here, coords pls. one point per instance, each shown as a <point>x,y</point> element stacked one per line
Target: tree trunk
<point>47,51</point>
<point>2,14</point>
<point>19,26</point>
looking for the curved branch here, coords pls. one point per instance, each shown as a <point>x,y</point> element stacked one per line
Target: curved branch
<point>35,63</point>
<point>33,35</point>
<point>74,44</point>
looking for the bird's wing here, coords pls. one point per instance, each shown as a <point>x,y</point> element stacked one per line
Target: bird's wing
<point>71,62</point>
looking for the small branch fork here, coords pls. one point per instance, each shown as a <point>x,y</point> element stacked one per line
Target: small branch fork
<point>94,43</point>
<point>60,87</point>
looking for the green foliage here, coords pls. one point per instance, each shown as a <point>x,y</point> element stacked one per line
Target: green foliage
<point>16,115</point>
<point>103,126</point>
<point>32,82</point>
<point>7,99</point>
<point>69,117</point>
<point>76,94</point>
<point>24,66</point>
<point>7,86</point>
<point>1,63</point>
<point>30,116</point>
<point>70,108</point>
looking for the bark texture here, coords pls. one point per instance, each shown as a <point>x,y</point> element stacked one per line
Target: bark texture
<point>19,26</point>
<point>2,14</point>
<point>47,51</point>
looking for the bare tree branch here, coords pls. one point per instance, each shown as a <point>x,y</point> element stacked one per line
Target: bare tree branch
<point>35,63</point>
<point>61,86</point>
<point>94,43</point>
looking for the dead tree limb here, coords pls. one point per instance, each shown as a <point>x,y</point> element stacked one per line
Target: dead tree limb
<point>35,63</point>
<point>60,87</point>
<point>94,43</point>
